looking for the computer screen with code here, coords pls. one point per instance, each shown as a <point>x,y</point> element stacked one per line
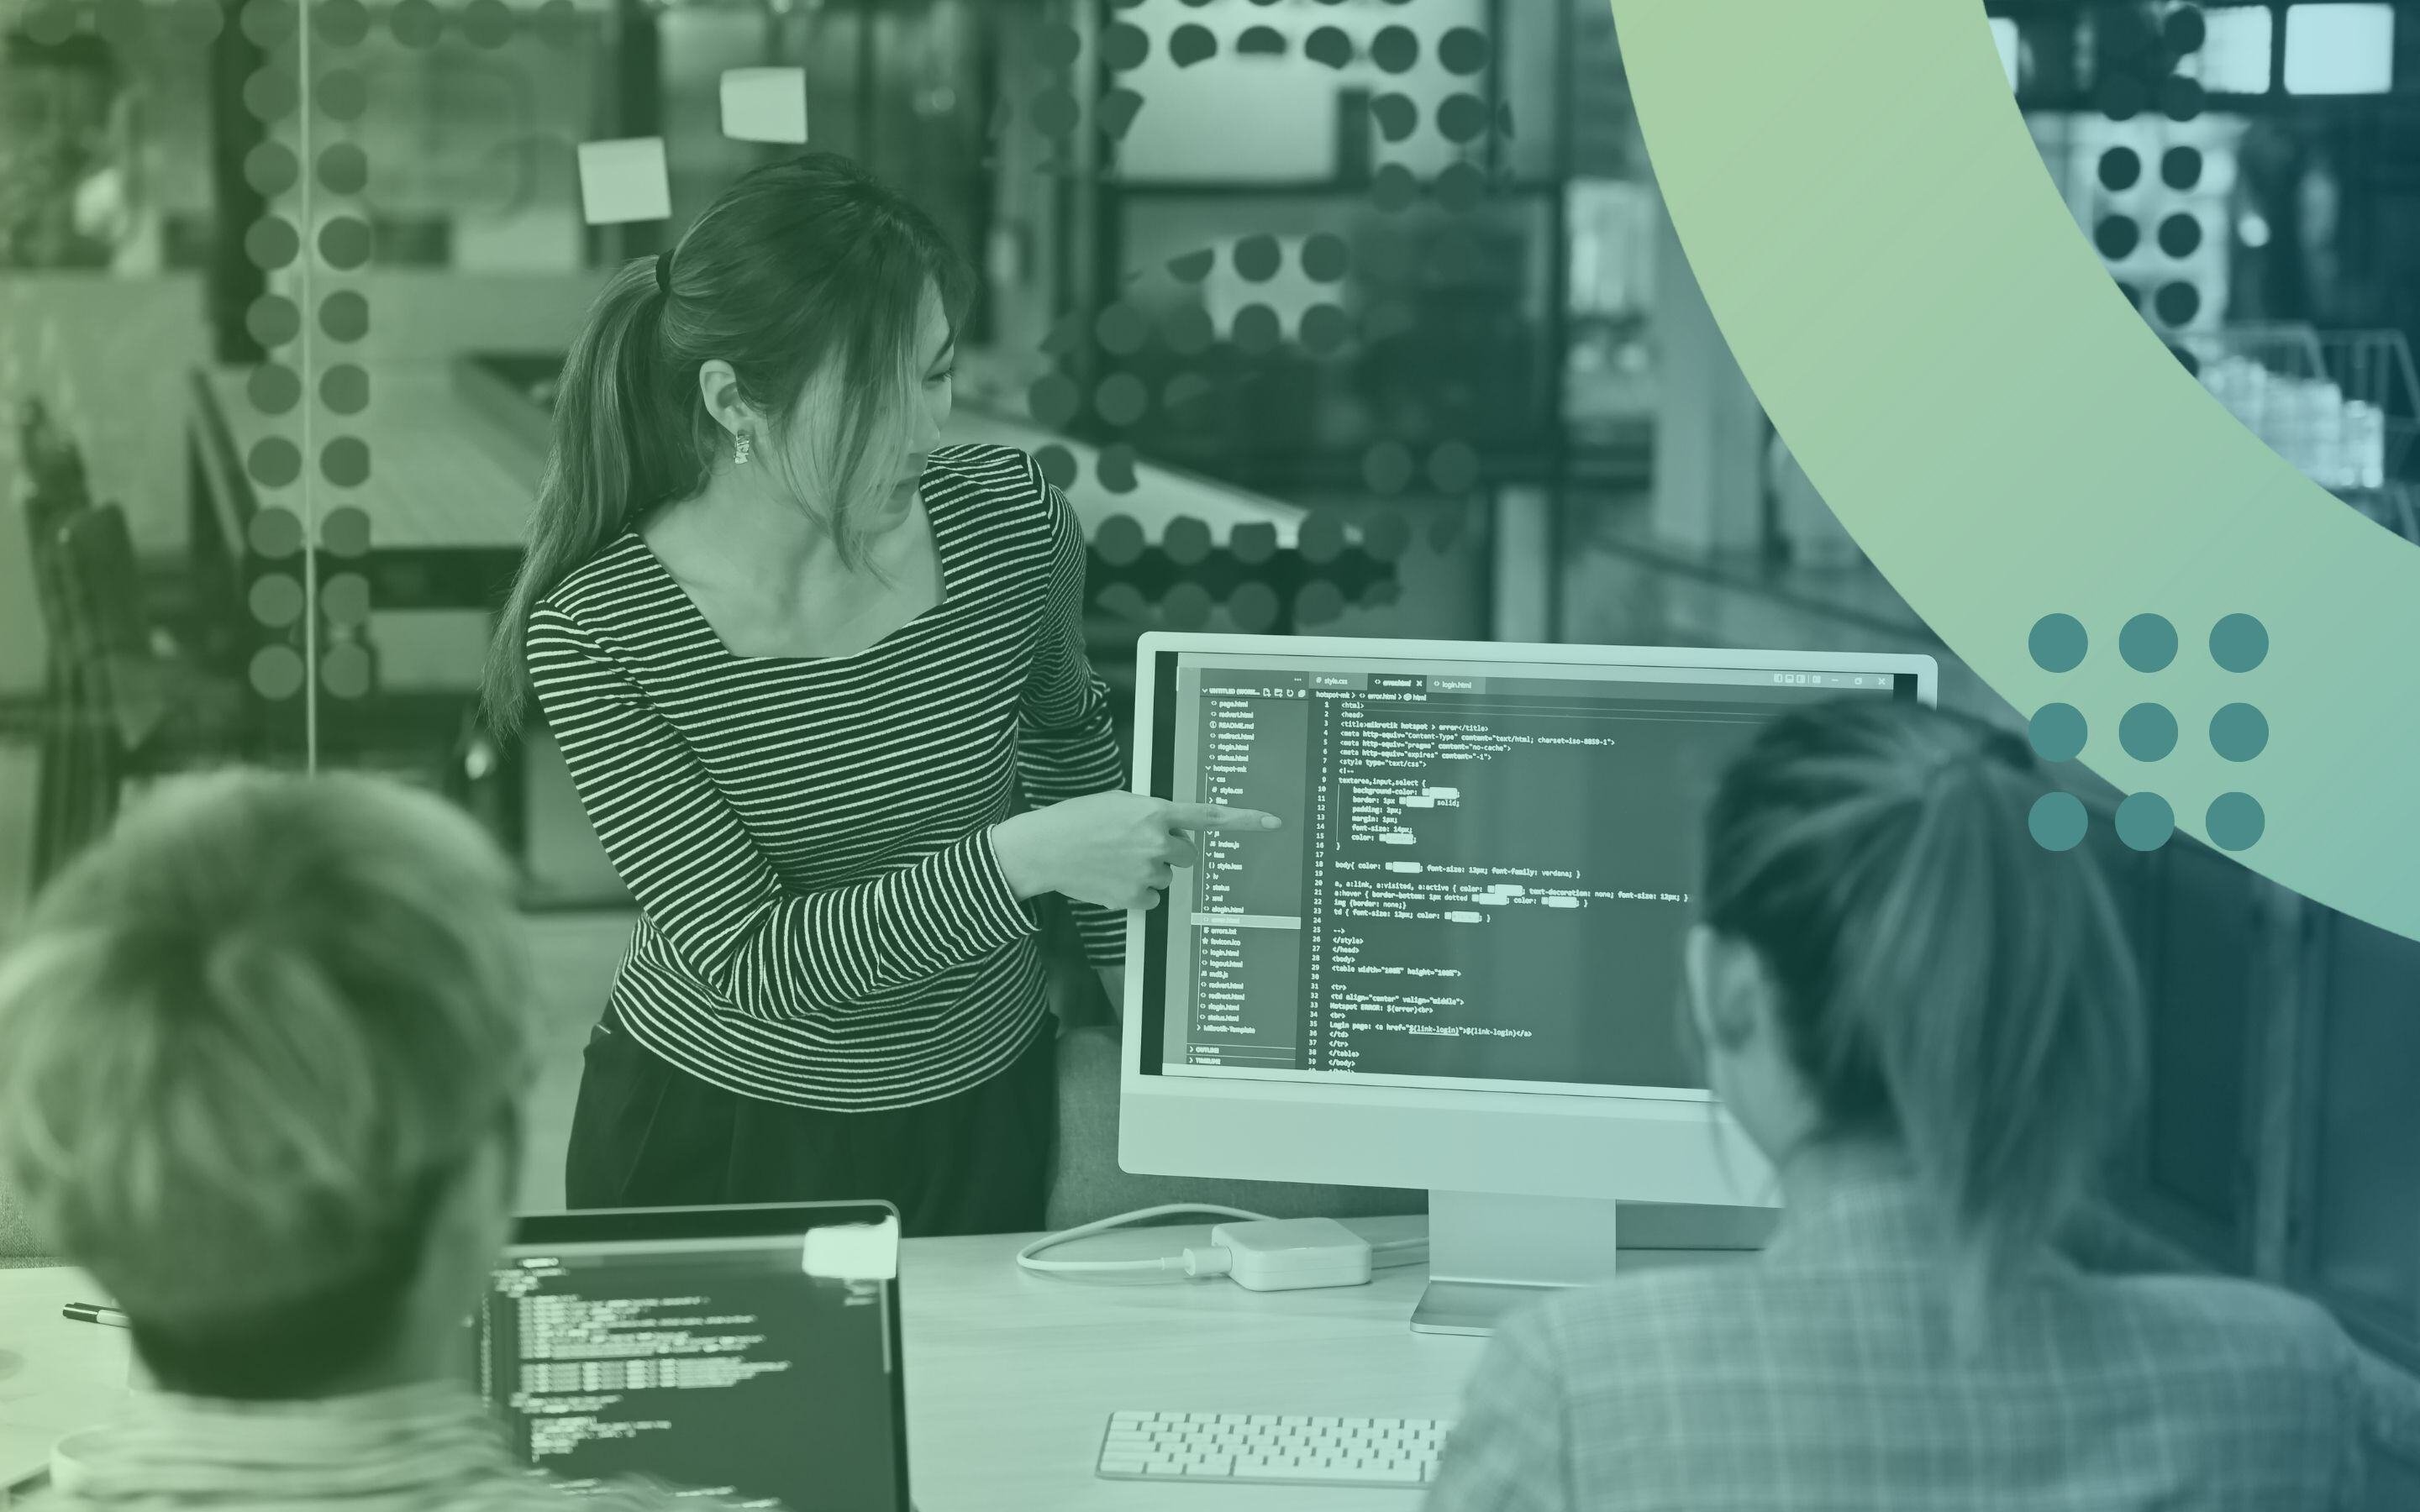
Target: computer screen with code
<point>1485,874</point>
<point>709,1365</point>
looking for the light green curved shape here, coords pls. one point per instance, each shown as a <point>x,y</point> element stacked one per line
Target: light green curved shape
<point>2003,435</point>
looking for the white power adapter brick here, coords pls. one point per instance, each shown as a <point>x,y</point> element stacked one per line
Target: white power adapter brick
<point>1291,1254</point>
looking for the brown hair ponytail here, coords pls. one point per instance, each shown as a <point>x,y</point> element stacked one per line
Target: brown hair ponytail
<point>1945,980</point>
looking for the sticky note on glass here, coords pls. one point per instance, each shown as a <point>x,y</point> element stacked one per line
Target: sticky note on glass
<point>765,105</point>
<point>853,1252</point>
<point>625,180</point>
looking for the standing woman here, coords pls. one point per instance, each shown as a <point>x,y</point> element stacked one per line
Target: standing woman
<point>802,661</point>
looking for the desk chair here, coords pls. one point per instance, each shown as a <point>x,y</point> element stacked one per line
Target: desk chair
<point>131,710</point>
<point>1086,1182</point>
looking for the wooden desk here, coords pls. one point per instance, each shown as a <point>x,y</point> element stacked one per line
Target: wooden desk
<point>1011,1378</point>
<point>448,494</point>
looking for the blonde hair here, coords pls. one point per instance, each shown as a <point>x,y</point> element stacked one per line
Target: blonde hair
<point>244,1045</point>
<point>1945,982</point>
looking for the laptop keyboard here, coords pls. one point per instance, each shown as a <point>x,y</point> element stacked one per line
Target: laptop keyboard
<point>1256,1448</point>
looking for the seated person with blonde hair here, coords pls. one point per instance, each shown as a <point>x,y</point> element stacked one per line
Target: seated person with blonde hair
<point>1930,1025</point>
<point>262,1055</point>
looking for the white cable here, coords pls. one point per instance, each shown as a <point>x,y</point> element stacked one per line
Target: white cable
<point>1413,1251</point>
<point>1192,1262</point>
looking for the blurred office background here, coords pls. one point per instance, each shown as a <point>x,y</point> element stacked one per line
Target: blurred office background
<point>1332,317</point>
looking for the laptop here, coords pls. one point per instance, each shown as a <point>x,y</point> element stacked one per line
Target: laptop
<point>749,1353</point>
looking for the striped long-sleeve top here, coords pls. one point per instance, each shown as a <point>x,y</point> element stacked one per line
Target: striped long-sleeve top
<point>823,922</point>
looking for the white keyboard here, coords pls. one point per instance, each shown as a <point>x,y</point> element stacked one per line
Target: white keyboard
<point>1285,1451</point>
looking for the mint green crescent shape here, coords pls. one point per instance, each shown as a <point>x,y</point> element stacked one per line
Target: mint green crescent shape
<point>1995,423</point>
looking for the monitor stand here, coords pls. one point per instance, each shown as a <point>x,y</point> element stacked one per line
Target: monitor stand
<point>1489,1254</point>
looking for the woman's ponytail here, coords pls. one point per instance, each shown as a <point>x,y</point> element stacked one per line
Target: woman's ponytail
<point>605,457</point>
<point>1945,982</point>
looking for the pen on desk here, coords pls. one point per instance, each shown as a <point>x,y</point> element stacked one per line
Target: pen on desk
<point>87,1312</point>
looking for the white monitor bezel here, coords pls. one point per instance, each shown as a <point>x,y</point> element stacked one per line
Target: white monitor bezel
<point>1648,1148</point>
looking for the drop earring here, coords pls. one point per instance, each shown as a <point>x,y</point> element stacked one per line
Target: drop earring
<point>740,451</point>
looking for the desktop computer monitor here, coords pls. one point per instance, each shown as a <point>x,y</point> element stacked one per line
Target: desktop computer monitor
<point>1458,965</point>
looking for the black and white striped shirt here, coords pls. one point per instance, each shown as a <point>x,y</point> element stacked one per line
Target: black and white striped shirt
<point>823,921</point>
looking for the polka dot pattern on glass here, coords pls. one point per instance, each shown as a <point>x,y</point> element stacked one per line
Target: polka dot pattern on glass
<point>271,243</point>
<point>1253,606</point>
<point>1321,537</point>
<point>1120,329</point>
<point>345,531</point>
<point>345,389</point>
<point>1453,468</point>
<point>1120,399</point>
<point>341,95</point>
<point>1318,602</point>
<point>270,168</point>
<point>273,462</point>
<point>1387,467</point>
<point>274,388</point>
<point>1053,400</point>
<point>344,169</point>
<point>276,672</point>
<point>1253,544</point>
<point>1057,464</point>
<point>1328,46</point>
<point>1185,540</point>
<point>1119,541</point>
<point>275,600</point>
<point>346,243</point>
<point>344,462</point>
<point>345,315</point>
<point>345,671</point>
<point>274,533</point>
<point>1187,605</point>
<point>344,599</point>
<point>1258,330</point>
<point>487,24</point>
<point>1190,44</point>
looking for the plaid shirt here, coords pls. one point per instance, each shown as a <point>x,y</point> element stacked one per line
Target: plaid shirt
<point>1820,1376</point>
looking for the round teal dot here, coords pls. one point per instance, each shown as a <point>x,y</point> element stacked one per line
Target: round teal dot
<point>2057,732</point>
<point>2058,643</point>
<point>2057,821</point>
<point>2235,820</point>
<point>2238,732</point>
<point>2145,821</point>
<point>2148,732</point>
<point>2148,643</point>
<point>2238,642</point>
